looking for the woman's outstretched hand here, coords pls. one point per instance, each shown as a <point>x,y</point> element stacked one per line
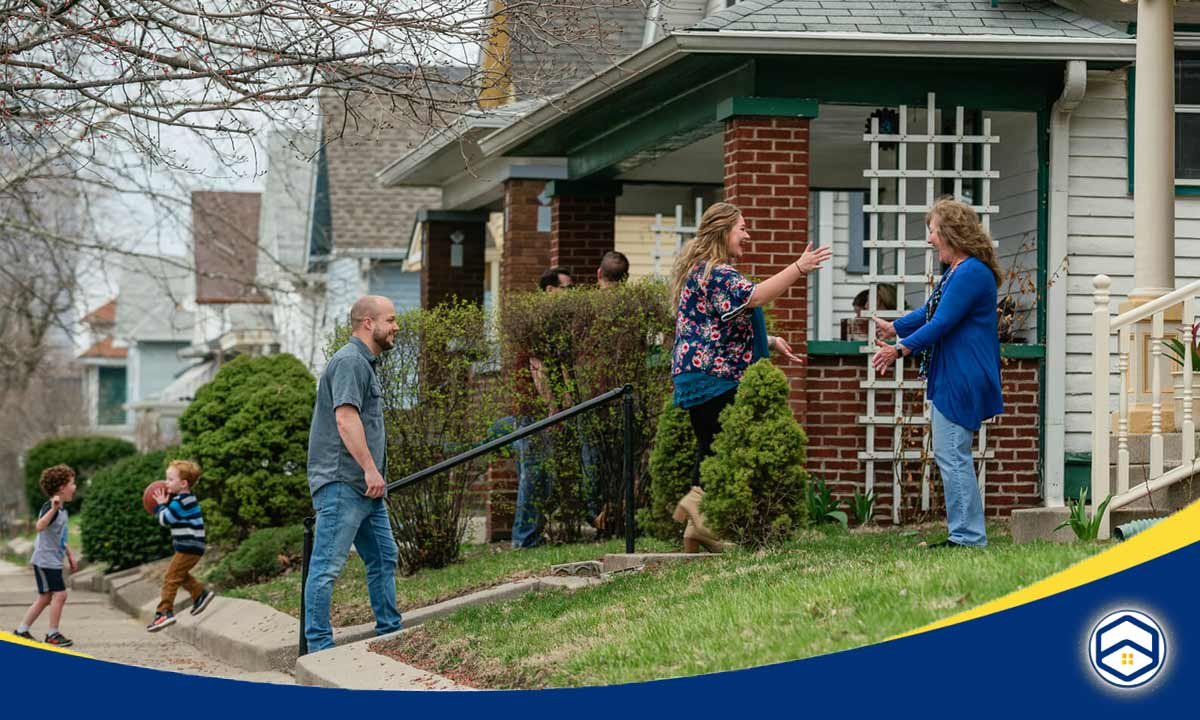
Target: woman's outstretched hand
<point>813,259</point>
<point>885,355</point>
<point>779,345</point>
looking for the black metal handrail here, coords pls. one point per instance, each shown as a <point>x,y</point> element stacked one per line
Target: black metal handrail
<point>625,393</point>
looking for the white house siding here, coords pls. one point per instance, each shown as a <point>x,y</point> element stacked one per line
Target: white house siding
<point>845,284</point>
<point>635,238</point>
<point>344,285</point>
<point>1015,227</point>
<point>1100,235</point>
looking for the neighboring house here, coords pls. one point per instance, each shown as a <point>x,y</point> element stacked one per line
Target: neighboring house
<point>1023,109</point>
<point>105,374</point>
<point>154,324</point>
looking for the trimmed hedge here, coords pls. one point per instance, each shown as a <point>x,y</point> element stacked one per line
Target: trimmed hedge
<point>755,482</point>
<point>261,556</point>
<point>670,472</point>
<point>85,455</point>
<point>248,430</point>
<point>116,529</point>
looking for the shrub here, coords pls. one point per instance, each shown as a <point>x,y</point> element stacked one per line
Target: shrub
<point>261,556</point>
<point>670,472</point>
<point>755,481</point>
<point>116,529</point>
<point>591,341</point>
<point>85,455</point>
<point>248,430</point>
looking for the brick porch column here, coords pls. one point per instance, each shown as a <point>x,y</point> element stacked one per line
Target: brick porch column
<point>766,175</point>
<point>583,225</point>
<point>526,252</point>
<point>452,247</point>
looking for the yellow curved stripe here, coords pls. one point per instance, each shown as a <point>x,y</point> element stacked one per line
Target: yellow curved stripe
<point>10,638</point>
<point>1177,531</point>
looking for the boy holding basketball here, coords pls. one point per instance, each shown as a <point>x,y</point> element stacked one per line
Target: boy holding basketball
<point>178,509</point>
<point>49,551</point>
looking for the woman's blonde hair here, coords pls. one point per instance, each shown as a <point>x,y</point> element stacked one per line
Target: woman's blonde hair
<point>959,227</point>
<point>710,246</point>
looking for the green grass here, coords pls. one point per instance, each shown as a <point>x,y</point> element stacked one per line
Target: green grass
<point>480,567</point>
<point>831,590</point>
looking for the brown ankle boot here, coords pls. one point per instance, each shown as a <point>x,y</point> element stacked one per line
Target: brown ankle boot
<point>694,538</point>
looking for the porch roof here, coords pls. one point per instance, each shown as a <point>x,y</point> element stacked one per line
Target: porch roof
<point>1031,18</point>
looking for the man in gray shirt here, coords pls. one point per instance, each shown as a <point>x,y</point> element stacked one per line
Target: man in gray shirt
<point>347,456</point>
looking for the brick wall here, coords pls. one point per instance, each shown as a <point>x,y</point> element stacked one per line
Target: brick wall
<point>835,438</point>
<point>439,280</point>
<point>766,176</point>
<point>582,230</point>
<point>526,252</point>
<point>501,485</point>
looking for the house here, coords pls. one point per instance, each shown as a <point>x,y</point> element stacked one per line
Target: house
<point>839,122</point>
<point>105,378</point>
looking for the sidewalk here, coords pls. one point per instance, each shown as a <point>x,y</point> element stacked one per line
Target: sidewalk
<point>106,633</point>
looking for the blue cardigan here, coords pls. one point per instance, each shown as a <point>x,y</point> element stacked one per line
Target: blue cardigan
<point>964,375</point>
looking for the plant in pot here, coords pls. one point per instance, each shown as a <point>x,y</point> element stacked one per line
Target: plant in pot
<point>1175,349</point>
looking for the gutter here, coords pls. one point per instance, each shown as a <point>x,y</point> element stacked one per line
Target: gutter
<point>1054,455</point>
<point>676,46</point>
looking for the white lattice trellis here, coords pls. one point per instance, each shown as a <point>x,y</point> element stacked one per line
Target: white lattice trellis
<point>892,219</point>
<point>678,230</point>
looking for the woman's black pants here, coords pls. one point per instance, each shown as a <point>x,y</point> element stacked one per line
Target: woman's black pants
<point>706,423</point>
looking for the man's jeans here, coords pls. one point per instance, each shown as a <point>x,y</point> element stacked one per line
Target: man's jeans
<point>964,508</point>
<point>533,489</point>
<point>344,516</point>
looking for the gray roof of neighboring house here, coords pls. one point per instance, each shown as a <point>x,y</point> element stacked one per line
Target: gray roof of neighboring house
<point>152,298</point>
<point>1033,18</point>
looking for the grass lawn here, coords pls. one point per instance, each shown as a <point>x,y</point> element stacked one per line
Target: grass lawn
<point>831,590</point>
<point>481,566</point>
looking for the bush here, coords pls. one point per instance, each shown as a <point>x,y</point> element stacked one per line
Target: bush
<point>591,341</point>
<point>261,556</point>
<point>670,472</point>
<point>116,529</point>
<point>85,455</point>
<point>248,430</point>
<point>755,481</point>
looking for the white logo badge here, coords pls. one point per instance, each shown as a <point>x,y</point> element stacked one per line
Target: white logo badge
<point>1127,648</point>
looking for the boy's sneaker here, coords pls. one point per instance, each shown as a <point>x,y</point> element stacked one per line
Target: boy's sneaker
<point>202,601</point>
<point>160,621</point>
<point>59,640</point>
<point>24,635</point>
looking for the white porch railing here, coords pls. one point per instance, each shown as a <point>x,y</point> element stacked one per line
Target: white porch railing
<point>1105,326</point>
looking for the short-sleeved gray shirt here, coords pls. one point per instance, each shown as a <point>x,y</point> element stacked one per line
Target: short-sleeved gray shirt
<point>50,547</point>
<point>349,379</point>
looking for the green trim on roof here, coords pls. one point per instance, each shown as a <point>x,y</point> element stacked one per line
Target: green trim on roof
<point>583,188</point>
<point>767,107</point>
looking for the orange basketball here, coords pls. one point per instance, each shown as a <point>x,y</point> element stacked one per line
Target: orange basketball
<point>148,495</point>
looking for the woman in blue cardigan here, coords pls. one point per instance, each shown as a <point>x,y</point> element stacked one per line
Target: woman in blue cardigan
<point>955,336</point>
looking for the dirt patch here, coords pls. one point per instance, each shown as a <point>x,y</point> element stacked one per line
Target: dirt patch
<point>455,660</point>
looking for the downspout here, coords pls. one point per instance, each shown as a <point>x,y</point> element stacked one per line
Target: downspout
<point>1054,457</point>
<point>650,32</point>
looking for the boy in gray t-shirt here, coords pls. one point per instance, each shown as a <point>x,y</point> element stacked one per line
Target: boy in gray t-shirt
<point>49,551</point>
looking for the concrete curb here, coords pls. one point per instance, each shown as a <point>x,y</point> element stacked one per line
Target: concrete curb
<point>354,666</point>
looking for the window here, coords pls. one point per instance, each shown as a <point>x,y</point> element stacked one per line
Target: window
<point>859,256</point>
<point>1187,117</point>
<point>112,395</point>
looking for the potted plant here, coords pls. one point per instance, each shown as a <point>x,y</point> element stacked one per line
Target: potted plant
<point>1176,350</point>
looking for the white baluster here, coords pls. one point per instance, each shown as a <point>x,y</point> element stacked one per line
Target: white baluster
<point>1125,339</point>
<point>1189,423</point>
<point>1100,396</point>
<point>1156,357</point>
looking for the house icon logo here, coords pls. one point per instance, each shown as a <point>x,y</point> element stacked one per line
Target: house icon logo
<point>1127,648</point>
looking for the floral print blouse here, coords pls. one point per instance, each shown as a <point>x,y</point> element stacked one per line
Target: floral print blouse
<point>713,333</point>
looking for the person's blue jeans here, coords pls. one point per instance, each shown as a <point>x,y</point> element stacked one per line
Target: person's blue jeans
<point>345,517</point>
<point>964,507</point>
<point>533,489</point>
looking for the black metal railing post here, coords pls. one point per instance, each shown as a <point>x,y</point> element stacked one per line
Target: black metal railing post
<point>627,423</point>
<point>305,559</point>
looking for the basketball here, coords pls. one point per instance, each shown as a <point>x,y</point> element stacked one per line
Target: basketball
<point>148,495</point>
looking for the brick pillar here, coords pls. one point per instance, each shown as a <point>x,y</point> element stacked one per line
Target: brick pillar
<point>526,252</point>
<point>452,248</point>
<point>583,226</point>
<point>766,175</point>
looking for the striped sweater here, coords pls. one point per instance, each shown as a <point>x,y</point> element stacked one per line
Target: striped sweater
<point>182,514</point>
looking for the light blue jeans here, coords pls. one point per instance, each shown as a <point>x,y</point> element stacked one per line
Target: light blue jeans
<point>345,517</point>
<point>533,488</point>
<point>964,507</point>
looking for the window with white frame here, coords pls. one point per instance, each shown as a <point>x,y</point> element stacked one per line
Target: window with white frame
<point>1187,117</point>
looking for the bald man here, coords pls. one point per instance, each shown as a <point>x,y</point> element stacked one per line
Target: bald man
<point>346,463</point>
